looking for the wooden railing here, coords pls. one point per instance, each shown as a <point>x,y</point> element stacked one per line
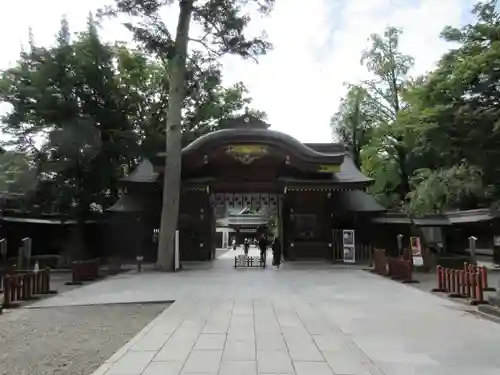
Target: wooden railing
<point>25,286</point>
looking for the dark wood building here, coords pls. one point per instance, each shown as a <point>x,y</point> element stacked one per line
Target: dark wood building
<point>310,190</point>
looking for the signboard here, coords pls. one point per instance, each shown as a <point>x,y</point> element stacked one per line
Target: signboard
<point>247,153</point>
<point>329,168</point>
<point>416,251</point>
<point>176,251</point>
<point>496,241</point>
<point>349,242</point>
<point>415,246</point>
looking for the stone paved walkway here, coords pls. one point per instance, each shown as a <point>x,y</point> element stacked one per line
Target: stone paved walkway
<point>305,319</point>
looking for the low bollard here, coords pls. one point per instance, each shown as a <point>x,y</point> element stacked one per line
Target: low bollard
<point>479,290</point>
<point>87,270</point>
<point>440,280</point>
<point>455,290</point>
<point>484,280</point>
<point>380,262</point>
<point>400,269</point>
<point>8,292</point>
<point>483,272</point>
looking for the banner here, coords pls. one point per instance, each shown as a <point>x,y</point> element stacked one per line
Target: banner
<point>416,251</point>
<point>348,241</point>
<point>415,246</point>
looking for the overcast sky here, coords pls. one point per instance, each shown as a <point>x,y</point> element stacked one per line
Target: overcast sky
<point>317,46</point>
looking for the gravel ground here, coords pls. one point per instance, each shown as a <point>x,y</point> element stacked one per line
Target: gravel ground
<point>68,340</point>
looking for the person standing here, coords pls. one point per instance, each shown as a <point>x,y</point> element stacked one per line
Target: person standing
<point>263,250</point>
<point>246,246</point>
<point>276,253</point>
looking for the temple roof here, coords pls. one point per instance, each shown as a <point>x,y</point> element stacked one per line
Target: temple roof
<point>326,164</point>
<point>445,219</point>
<point>224,137</point>
<point>471,216</point>
<point>348,173</point>
<point>127,203</point>
<point>358,201</point>
<point>144,172</point>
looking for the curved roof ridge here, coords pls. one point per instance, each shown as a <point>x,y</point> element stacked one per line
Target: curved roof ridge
<point>248,135</point>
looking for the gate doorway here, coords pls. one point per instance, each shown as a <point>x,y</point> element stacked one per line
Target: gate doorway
<point>246,215</point>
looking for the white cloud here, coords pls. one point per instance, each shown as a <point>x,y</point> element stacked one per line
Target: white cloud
<point>317,48</point>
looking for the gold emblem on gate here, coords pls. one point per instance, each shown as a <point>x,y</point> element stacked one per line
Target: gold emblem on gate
<point>247,154</point>
<point>329,168</point>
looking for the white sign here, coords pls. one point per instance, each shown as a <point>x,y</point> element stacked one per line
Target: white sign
<point>496,240</point>
<point>176,254</point>
<point>349,242</point>
<point>416,251</point>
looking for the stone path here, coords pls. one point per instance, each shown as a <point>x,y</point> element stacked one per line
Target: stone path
<point>305,319</point>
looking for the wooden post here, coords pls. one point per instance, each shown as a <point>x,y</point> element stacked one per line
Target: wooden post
<point>484,279</point>
<point>7,294</point>
<point>478,291</point>
<point>440,279</point>
<point>463,283</point>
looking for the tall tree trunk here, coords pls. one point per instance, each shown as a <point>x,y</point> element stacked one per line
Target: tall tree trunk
<point>404,186</point>
<point>172,172</point>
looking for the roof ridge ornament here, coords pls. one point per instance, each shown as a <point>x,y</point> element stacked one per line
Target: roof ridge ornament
<point>246,121</point>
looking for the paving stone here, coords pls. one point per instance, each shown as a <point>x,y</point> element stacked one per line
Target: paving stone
<point>203,361</point>
<point>274,361</point>
<point>270,342</point>
<point>152,341</point>
<point>309,368</point>
<point>296,334</point>
<point>238,368</point>
<point>343,312</point>
<point>163,368</point>
<point>210,341</point>
<point>239,351</point>
<point>413,369</point>
<point>185,335</point>
<point>304,351</point>
<point>174,351</point>
<point>346,363</point>
<point>132,363</point>
<point>241,334</point>
<point>216,327</point>
<point>329,342</point>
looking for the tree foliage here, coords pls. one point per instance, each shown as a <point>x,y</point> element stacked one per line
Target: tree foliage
<point>354,121</point>
<point>82,109</point>
<point>437,136</point>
